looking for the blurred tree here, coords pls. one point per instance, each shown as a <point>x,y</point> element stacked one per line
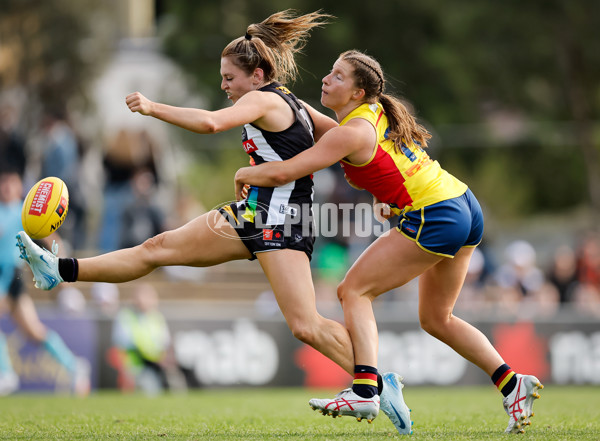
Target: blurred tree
<point>528,72</point>
<point>507,88</point>
<point>46,52</point>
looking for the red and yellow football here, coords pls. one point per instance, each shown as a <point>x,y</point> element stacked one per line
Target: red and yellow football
<point>45,207</point>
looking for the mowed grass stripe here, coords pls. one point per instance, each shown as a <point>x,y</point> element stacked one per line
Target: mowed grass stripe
<point>456,413</point>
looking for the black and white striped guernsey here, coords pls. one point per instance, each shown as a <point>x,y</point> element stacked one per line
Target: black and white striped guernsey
<point>265,146</point>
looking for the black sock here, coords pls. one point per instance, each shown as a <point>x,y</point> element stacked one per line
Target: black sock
<point>505,379</point>
<point>379,384</point>
<point>365,382</point>
<point>68,269</point>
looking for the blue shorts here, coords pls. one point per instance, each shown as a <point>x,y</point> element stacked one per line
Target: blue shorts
<point>445,227</point>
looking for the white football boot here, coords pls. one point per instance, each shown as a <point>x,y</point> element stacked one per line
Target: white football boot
<point>519,403</point>
<point>9,383</point>
<point>43,263</point>
<point>81,379</point>
<point>347,403</point>
<point>393,405</point>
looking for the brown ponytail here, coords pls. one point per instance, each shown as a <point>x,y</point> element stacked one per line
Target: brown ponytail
<point>368,76</point>
<point>272,44</point>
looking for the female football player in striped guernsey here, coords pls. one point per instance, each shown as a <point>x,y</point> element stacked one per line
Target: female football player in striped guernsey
<point>265,226</point>
<point>381,148</point>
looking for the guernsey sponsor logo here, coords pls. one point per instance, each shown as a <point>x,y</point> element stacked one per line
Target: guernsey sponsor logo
<point>424,161</point>
<point>272,235</point>
<point>249,146</point>
<point>286,209</point>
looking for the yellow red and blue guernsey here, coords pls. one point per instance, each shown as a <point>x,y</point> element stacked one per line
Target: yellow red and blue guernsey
<point>406,180</point>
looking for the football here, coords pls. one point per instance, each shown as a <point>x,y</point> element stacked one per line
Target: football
<point>45,207</point>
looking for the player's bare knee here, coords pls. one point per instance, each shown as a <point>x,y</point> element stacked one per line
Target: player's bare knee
<point>151,248</point>
<point>347,293</point>
<point>428,326</point>
<point>433,325</point>
<point>343,292</point>
<point>36,332</point>
<point>303,332</point>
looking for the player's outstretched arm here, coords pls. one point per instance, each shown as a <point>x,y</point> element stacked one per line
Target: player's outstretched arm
<point>247,109</point>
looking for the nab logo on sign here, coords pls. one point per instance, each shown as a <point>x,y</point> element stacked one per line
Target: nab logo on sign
<point>249,146</point>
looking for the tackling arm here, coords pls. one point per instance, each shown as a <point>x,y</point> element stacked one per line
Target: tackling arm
<point>322,122</point>
<point>334,145</point>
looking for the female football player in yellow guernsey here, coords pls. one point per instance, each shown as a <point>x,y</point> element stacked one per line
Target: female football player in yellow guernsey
<point>276,126</point>
<point>382,149</point>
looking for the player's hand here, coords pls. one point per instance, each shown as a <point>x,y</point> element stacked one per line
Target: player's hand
<point>241,193</point>
<point>245,190</point>
<point>352,184</point>
<point>139,103</point>
<point>241,189</point>
<point>381,210</point>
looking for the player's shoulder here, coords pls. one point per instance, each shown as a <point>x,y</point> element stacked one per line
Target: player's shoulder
<point>261,97</point>
<point>359,127</point>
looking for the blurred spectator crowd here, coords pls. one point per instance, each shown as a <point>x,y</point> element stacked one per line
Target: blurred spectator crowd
<point>521,285</point>
<point>113,193</point>
<point>518,278</point>
<point>129,208</point>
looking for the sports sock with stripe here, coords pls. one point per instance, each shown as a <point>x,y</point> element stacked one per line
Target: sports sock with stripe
<point>365,381</point>
<point>505,379</point>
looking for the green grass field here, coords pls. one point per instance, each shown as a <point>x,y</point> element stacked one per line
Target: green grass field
<point>473,413</point>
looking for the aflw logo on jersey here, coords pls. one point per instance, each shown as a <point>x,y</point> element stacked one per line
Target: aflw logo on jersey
<point>42,196</point>
<point>249,146</point>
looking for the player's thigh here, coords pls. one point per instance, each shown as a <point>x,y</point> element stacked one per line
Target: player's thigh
<point>204,241</point>
<point>290,277</point>
<point>389,262</point>
<point>440,286</point>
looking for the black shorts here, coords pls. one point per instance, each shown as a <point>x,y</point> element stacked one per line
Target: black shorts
<point>16,286</point>
<point>296,234</point>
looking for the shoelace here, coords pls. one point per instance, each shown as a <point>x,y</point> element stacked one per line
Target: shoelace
<point>54,248</point>
<point>344,392</point>
<point>23,253</point>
